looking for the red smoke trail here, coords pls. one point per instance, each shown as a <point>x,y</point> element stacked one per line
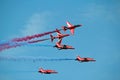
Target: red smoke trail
<point>16,44</point>
<point>32,37</point>
<point>8,46</point>
<point>4,44</point>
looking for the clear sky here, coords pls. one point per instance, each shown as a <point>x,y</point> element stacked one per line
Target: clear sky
<point>98,38</point>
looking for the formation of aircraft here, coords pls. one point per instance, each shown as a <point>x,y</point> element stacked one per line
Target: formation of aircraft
<point>69,26</point>
<point>41,70</point>
<point>28,39</point>
<point>60,46</point>
<point>86,59</point>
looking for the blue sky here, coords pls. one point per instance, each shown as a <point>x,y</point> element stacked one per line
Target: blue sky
<point>98,38</point>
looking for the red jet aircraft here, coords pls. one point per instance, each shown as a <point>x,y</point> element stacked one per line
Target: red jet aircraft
<point>59,35</point>
<point>59,46</point>
<point>71,27</point>
<point>84,59</point>
<point>47,71</point>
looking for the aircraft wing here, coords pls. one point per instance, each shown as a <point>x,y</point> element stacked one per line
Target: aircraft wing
<point>72,31</point>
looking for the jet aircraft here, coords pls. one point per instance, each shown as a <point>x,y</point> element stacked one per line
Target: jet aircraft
<point>84,59</point>
<point>41,70</point>
<point>70,27</point>
<point>60,46</point>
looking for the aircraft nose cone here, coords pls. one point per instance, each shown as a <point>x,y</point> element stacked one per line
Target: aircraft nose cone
<point>55,46</point>
<point>80,24</point>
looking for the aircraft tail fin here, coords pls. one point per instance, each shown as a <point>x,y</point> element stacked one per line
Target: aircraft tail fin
<point>78,57</point>
<point>70,26</point>
<point>40,69</point>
